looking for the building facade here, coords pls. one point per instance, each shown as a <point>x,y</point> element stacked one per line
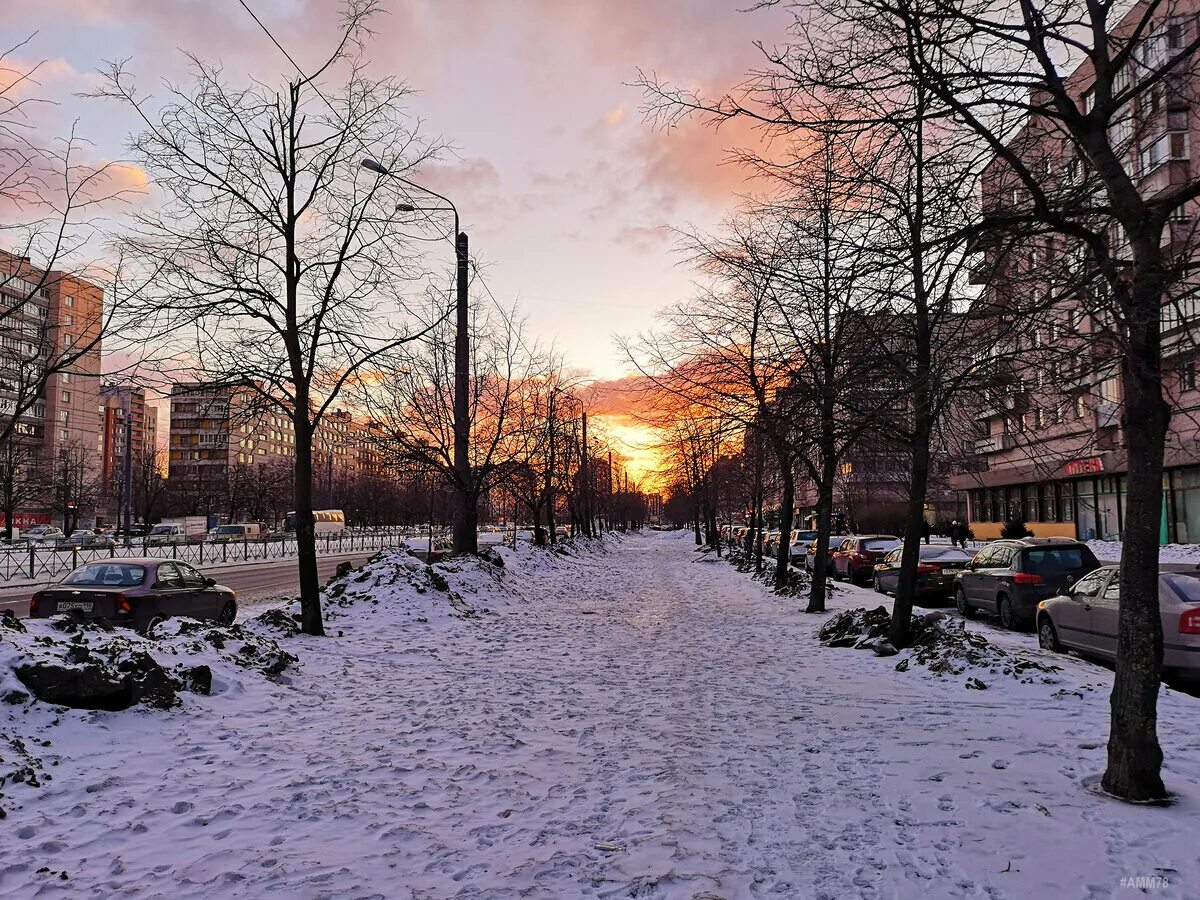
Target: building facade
<point>1053,440</point>
<point>50,356</point>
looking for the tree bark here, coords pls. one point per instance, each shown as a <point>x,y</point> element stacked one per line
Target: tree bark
<point>816,594</point>
<point>311,621</point>
<point>900,632</point>
<point>1134,755</point>
<point>786,503</point>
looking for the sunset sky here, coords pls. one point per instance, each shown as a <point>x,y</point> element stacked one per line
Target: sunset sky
<point>566,193</point>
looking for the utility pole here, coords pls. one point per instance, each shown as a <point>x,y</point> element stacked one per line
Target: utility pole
<point>127,465</point>
<point>466,539</point>
<point>586,480</point>
<point>550,469</point>
<point>610,491</point>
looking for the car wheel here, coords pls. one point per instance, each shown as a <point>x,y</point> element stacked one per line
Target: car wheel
<point>879,586</point>
<point>1008,615</point>
<point>148,631</point>
<point>1047,636</point>
<point>228,613</point>
<point>964,608</point>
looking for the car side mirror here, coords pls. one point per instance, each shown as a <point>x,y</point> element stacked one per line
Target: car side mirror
<point>210,582</point>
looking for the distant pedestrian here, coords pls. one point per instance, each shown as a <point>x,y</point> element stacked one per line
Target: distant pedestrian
<point>926,531</point>
<point>954,533</point>
<point>960,535</point>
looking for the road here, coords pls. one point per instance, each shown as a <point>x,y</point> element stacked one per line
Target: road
<point>255,583</point>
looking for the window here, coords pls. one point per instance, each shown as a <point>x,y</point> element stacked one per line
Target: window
<point>68,320</point>
<point>1187,375</point>
<point>168,576</point>
<point>1173,145</point>
<point>1089,586</point>
<point>68,301</point>
<point>66,396</point>
<point>66,377</point>
<point>64,416</point>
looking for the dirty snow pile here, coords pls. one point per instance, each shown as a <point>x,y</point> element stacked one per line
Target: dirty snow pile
<point>942,644</point>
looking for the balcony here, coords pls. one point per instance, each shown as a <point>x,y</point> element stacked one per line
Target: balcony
<point>993,443</point>
<point>1170,173</point>
<point>1108,414</point>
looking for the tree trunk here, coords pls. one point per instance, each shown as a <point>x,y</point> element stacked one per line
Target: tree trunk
<point>306,539</point>
<point>788,500</point>
<point>900,632</point>
<point>1134,755</point>
<point>816,594</point>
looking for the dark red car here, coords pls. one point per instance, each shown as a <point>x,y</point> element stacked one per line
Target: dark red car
<point>136,593</point>
<point>856,558</point>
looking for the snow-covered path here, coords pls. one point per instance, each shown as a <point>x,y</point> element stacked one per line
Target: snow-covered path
<point>644,724</point>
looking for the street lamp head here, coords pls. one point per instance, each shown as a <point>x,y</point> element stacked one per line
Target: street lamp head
<point>374,166</point>
<point>405,207</point>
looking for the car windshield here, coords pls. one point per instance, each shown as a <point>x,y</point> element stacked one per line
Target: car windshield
<point>230,529</point>
<point>1186,586</point>
<point>107,575</point>
<point>1059,560</point>
<point>162,529</point>
<point>881,544</point>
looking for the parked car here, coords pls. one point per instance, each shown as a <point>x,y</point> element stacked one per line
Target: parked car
<point>1011,577</point>
<point>419,547</point>
<point>800,542</point>
<point>167,534</point>
<point>770,542</point>
<point>43,534</point>
<point>88,540</point>
<point>136,593</point>
<point>225,533</point>
<point>856,557</point>
<point>810,552</point>
<point>1084,618</point>
<point>936,568</point>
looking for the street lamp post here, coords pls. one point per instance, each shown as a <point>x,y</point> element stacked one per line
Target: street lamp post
<point>466,539</point>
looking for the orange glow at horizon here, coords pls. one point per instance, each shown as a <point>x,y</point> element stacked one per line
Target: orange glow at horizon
<point>637,443</point>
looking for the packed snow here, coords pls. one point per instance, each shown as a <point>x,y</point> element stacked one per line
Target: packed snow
<point>629,720</point>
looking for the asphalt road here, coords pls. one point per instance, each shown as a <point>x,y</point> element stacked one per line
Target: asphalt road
<point>254,583</point>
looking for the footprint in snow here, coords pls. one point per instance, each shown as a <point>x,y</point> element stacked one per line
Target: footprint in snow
<point>1000,764</point>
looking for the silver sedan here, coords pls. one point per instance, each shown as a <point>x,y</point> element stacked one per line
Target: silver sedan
<point>1085,619</point>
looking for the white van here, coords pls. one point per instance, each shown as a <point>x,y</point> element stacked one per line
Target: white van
<point>249,531</point>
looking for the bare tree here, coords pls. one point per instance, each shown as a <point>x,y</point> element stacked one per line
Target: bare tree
<point>279,269</point>
<point>512,381</point>
<point>23,478</point>
<point>52,200</point>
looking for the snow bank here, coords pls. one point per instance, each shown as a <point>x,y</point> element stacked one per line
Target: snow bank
<point>1110,551</point>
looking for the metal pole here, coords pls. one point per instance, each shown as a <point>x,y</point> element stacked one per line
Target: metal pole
<point>127,465</point>
<point>587,493</point>
<point>550,470</point>
<point>465,537</point>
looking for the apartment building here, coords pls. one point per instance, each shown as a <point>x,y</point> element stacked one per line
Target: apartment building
<point>121,404</point>
<point>1053,441</point>
<point>214,429</point>
<point>52,320</point>
<point>217,432</point>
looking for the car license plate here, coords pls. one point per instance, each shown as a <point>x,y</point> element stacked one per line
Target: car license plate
<point>64,605</point>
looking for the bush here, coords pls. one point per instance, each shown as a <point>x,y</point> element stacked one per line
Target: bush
<point>1015,528</point>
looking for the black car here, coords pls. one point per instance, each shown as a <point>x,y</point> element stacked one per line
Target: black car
<point>936,568</point>
<point>1011,577</point>
<point>136,593</point>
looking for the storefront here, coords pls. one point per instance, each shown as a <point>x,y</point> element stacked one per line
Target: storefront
<point>1085,500</point>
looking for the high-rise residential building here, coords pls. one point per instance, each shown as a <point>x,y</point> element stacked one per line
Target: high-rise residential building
<point>50,352</point>
<point>1053,441</point>
<point>119,404</point>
